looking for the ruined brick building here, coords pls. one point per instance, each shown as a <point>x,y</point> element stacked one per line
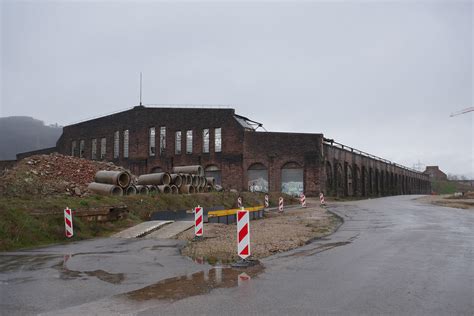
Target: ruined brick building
<point>230,148</point>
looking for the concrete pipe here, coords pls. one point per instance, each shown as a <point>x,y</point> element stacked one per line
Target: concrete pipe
<point>201,182</point>
<point>142,189</point>
<point>120,178</point>
<point>200,189</point>
<point>204,181</point>
<point>195,180</point>
<point>152,189</point>
<point>130,190</point>
<point>211,181</point>
<point>208,188</point>
<point>105,189</point>
<point>162,178</point>
<point>164,189</point>
<point>174,189</point>
<point>176,179</point>
<point>187,189</point>
<point>197,170</point>
<point>189,179</point>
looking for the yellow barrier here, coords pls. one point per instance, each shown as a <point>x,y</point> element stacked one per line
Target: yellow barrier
<point>234,211</point>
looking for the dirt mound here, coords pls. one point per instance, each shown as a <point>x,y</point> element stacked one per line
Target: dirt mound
<point>51,175</point>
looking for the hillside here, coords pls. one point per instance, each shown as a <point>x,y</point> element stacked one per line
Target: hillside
<point>23,133</point>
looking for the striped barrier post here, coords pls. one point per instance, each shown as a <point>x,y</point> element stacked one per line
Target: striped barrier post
<point>280,204</point>
<point>267,201</point>
<point>243,234</point>
<point>321,198</point>
<point>198,222</point>
<point>303,200</point>
<point>239,202</point>
<point>68,222</point>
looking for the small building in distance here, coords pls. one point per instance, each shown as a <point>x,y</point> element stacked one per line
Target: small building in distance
<point>435,173</point>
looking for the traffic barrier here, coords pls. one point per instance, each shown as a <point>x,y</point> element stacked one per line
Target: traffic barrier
<point>198,221</point>
<point>239,202</point>
<point>229,216</point>
<point>280,204</point>
<point>321,198</point>
<point>243,233</point>
<point>68,222</point>
<point>267,201</point>
<point>303,200</point>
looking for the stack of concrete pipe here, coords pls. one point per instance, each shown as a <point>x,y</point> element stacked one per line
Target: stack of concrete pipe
<point>183,180</point>
<point>110,183</point>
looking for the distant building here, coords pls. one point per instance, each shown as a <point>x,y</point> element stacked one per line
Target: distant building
<point>236,152</point>
<point>435,174</point>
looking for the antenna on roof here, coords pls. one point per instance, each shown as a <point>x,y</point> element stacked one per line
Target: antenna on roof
<point>140,88</point>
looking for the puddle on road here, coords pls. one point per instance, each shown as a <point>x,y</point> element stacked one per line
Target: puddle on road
<point>68,274</point>
<point>198,283</point>
<point>24,262</point>
<point>320,248</point>
<point>114,278</point>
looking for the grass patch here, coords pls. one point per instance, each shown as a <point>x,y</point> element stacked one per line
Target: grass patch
<point>32,221</point>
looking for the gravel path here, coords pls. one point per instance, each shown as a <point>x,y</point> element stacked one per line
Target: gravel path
<point>272,234</point>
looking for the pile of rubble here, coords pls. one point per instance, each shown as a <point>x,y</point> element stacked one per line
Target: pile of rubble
<point>52,174</point>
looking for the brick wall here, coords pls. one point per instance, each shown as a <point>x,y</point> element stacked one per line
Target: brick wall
<point>140,119</point>
<point>277,150</point>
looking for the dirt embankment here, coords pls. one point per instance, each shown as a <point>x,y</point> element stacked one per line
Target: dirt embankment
<point>463,202</point>
<point>275,233</point>
<point>53,174</point>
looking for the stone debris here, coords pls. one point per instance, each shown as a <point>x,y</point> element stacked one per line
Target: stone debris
<point>52,175</point>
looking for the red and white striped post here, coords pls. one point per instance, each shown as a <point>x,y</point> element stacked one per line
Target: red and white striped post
<point>239,202</point>
<point>321,198</point>
<point>303,200</point>
<point>267,201</point>
<point>243,234</point>
<point>68,222</point>
<point>198,221</point>
<point>280,204</point>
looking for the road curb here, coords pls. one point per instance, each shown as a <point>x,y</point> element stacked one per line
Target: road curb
<point>331,233</point>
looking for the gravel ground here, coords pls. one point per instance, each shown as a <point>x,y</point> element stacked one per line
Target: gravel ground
<point>274,233</point>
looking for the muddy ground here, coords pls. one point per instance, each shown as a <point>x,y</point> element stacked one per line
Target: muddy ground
<point>466,202</point>
<point>274,233</point>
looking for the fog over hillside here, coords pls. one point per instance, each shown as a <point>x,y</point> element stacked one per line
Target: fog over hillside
<point>23,133</point>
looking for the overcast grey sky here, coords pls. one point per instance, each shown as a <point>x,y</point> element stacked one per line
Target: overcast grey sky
<point>379,76</point>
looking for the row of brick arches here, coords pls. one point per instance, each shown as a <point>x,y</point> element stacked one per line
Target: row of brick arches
<point>343,179</point>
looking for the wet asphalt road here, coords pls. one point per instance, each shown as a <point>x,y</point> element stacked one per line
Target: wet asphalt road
<point>392,256</point>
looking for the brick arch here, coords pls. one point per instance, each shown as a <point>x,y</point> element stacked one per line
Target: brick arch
<point>291,165</point>
<point>257,166</point>
<point>364,181</point>
<point>349,180</point>
<point>156,169</point>
<point>214,171</point>
<point>377,182</point>
<point>329,179</point>
<point>292,178</point>
<point>257,177</point>
<point>357,182</point>
<point>371,177</point>
<point>339,179</point>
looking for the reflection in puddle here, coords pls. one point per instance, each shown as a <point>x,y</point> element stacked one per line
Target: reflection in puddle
<point>196,284</point>
<point>67,274</point>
